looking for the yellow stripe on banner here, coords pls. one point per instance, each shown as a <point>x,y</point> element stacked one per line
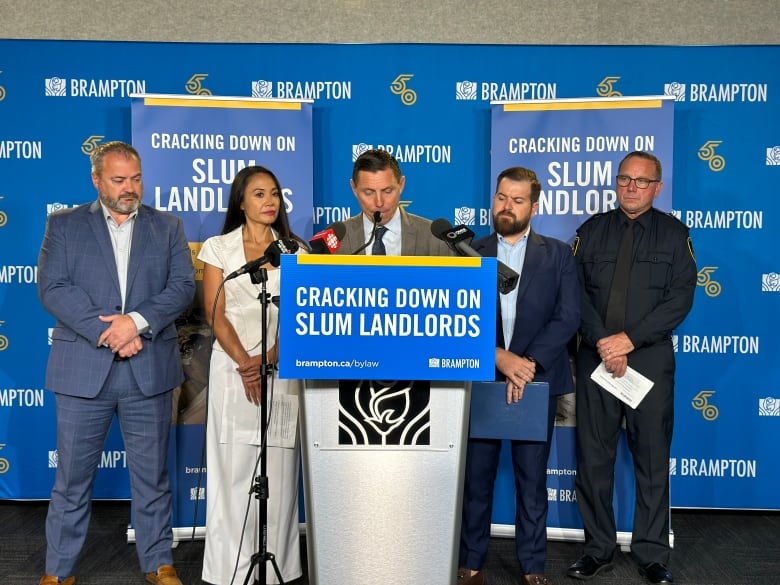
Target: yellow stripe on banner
<point>342,260</point>
<point>208,103</point>
<point>584,105</point>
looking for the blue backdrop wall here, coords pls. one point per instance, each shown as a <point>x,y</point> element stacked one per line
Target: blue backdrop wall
<point>430,106</point>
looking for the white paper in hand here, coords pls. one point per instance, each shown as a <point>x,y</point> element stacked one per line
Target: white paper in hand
<point>631,388</point>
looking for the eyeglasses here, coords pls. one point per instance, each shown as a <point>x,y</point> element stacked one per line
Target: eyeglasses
<point>640,182</point>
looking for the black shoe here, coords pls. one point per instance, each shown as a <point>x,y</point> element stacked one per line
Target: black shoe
<point>656,573</point>
<point>587,567</point>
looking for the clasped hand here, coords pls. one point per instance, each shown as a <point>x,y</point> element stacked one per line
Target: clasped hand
<point>518,372</point>
<point>613,351</point>
<point>121,336</point>
<point>250,371</point>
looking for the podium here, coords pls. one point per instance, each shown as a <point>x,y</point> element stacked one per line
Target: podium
<point>388,348</point>
<point>383,513</point>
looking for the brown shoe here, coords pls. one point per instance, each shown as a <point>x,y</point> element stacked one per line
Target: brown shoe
<point>466,578</point>
<point>165,575</point>
<point>52,580</point>
<point>535,580</point>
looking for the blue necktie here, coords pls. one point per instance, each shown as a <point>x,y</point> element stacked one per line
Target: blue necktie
<point>378,249</point>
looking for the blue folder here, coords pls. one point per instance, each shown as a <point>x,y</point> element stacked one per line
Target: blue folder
<point>493,418</point>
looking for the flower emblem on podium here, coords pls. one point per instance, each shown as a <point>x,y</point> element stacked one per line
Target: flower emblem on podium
<point>379,412</point>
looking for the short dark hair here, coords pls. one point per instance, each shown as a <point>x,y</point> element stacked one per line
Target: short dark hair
<point>521,174</point>
<point>646,156</point>
<point>375,160</point>
<point>115,146</point>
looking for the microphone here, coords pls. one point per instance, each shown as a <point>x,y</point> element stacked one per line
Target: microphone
<point>328,240</point>
<point>272,255</point>
<point>372,237</point>
<point>459,238</point>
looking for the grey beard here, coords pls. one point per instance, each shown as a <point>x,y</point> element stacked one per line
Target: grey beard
<point>121,207</point>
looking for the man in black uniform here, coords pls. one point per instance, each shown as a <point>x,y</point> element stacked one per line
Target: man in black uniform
<point>627,321</point>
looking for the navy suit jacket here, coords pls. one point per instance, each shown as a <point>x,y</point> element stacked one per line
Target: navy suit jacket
<point>77,281</point>
<point>548,308</point>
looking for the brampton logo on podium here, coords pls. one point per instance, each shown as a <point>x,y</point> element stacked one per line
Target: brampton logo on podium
<point>773,156</point>
<point>384,413</point>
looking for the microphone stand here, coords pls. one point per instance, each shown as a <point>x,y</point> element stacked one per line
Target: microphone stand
<point>260,486</point>
<point>377,219</point>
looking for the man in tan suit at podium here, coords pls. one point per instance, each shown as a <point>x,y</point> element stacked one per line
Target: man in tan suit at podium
<point>377,183</point>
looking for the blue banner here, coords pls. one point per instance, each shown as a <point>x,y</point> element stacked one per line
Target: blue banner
<point>574,146</point>
<point>431,106</point>
<point>193,146</point>
<point>387,318</point>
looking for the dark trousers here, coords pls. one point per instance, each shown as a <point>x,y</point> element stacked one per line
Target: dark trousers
<point>649,431</point>
<point>529,460</point>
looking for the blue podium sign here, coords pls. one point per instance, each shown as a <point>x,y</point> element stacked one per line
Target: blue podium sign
<point>387,318</point>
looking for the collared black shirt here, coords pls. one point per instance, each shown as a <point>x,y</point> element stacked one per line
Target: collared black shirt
<point>662,279</point>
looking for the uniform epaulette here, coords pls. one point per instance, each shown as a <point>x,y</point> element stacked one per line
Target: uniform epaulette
<point>671,214</point>
<point>595,216</point>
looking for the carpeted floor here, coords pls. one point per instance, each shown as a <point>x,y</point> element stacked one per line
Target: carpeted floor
<point>711,548</point>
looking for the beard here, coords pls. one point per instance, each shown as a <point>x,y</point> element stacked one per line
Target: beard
<point>508,225</point>
<point>122,206</point>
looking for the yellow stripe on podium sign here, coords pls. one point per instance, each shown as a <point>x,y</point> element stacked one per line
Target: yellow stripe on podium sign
<point>361,260</point>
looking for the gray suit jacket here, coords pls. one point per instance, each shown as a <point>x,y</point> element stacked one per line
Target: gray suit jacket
<point>416,237</point>
<point>77,281</point>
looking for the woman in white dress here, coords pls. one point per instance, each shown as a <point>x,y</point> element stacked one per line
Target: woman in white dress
<point>255,217</point>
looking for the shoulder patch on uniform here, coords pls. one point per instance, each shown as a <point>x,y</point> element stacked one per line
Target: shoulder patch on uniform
<point>596,216</point>
<point>690,248</point>
<point>576,244</point>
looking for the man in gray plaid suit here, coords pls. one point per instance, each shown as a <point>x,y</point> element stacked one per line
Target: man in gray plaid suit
<point>115,274</point>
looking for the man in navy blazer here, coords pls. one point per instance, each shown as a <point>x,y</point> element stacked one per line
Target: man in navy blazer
<point>115,274</point>
<point>536,321</point>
